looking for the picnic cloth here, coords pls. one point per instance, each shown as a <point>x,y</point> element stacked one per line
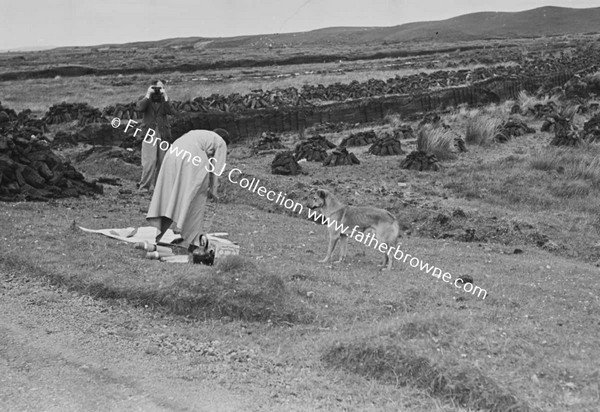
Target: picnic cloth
<point>148,234</point>
<point>134,235</point>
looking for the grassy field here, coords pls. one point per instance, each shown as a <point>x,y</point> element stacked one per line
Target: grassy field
<point>351,336</point>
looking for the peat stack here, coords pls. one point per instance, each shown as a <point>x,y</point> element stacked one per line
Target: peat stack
<point>406,131</point>
<point>359,139</point>
<point>66,112</point>
<point>459,144</point>
<point>285,164</point>
<point>515,109</point>
<point>548,125</point>
<point>421,161</point>
<point>310,151</point>
<point>543,110</point>
<point>565,133</point>
<point>7,114</point>
<point>591,129</point>
<point>386,146</point>
<point>341,157</point>
<point>268,141</point>
<point>30,170</point>
<point>123,111</point>
<point>319,141</point>
<point>196,105</point>
<point>512,128</point>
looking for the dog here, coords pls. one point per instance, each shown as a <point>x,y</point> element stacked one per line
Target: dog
<point>343,218</point>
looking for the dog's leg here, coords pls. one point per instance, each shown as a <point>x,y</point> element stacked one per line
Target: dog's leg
<point>388,261</point>
<point>343,247</point>
<point>332,242</point>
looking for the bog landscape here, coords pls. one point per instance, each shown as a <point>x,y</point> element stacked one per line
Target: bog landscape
<point>480,133</point>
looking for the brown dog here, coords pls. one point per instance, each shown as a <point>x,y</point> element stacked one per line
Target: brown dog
<point>343,221</point>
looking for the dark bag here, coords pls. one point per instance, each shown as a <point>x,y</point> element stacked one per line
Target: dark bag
<point>203,255</point>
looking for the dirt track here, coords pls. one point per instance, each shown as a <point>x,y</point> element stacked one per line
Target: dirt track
<point>63,352</point>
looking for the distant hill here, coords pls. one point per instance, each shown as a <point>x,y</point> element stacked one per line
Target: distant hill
<point>468,32</point>
<point>543,21</point>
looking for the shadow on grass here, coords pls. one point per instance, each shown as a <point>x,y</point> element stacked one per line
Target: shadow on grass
<point>233,288</point>
<point>391,362</point>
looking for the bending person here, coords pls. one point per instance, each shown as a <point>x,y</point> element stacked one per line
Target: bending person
<point>185,184</point>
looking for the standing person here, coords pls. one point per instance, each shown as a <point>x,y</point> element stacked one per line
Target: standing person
<point>155,106</point>
<point>185,184</point>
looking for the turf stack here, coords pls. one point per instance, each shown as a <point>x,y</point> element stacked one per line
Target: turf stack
<point>311,152</point>
<point>341,157</point>
<point>565,133</point>
<point>543,110</point>
<point>548,125</point>
<point>7,114</point>
<point>386,146</point>
<point>420,161</point>
<point>29,170</point>
<point>268,141</point>
<point>406,130</point>
<point>66,112</point>
<point>314,149</point>
<point>321,141</point>
<point>285,164</point>
<point>195,105</point>
<point>512,128</point>
<point>123,111</point>
<point>591,129</point>
<point>359,139</point>
<point>460,145</point>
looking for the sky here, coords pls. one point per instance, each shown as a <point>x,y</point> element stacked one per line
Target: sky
<point>55,23</point>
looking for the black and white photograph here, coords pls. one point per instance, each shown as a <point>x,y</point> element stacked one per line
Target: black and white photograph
<point>300,205</point>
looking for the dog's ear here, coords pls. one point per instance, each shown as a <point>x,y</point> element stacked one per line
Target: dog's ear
<point>321,193</point>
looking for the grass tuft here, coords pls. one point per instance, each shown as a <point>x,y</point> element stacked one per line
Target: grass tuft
<point>438,141</point>
<point>481,129</point>
<point>528,102</point>
<point>393,119</point>
<point>572,163</point>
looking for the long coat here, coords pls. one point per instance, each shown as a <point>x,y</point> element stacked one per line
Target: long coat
<point>182,186</point>
<point>155,117</point>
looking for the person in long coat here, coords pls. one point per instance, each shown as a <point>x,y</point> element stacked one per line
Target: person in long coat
<point>155,118</point>
<point>187,180</point>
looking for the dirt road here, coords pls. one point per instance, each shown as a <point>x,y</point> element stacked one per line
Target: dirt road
<point>64,352</point>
